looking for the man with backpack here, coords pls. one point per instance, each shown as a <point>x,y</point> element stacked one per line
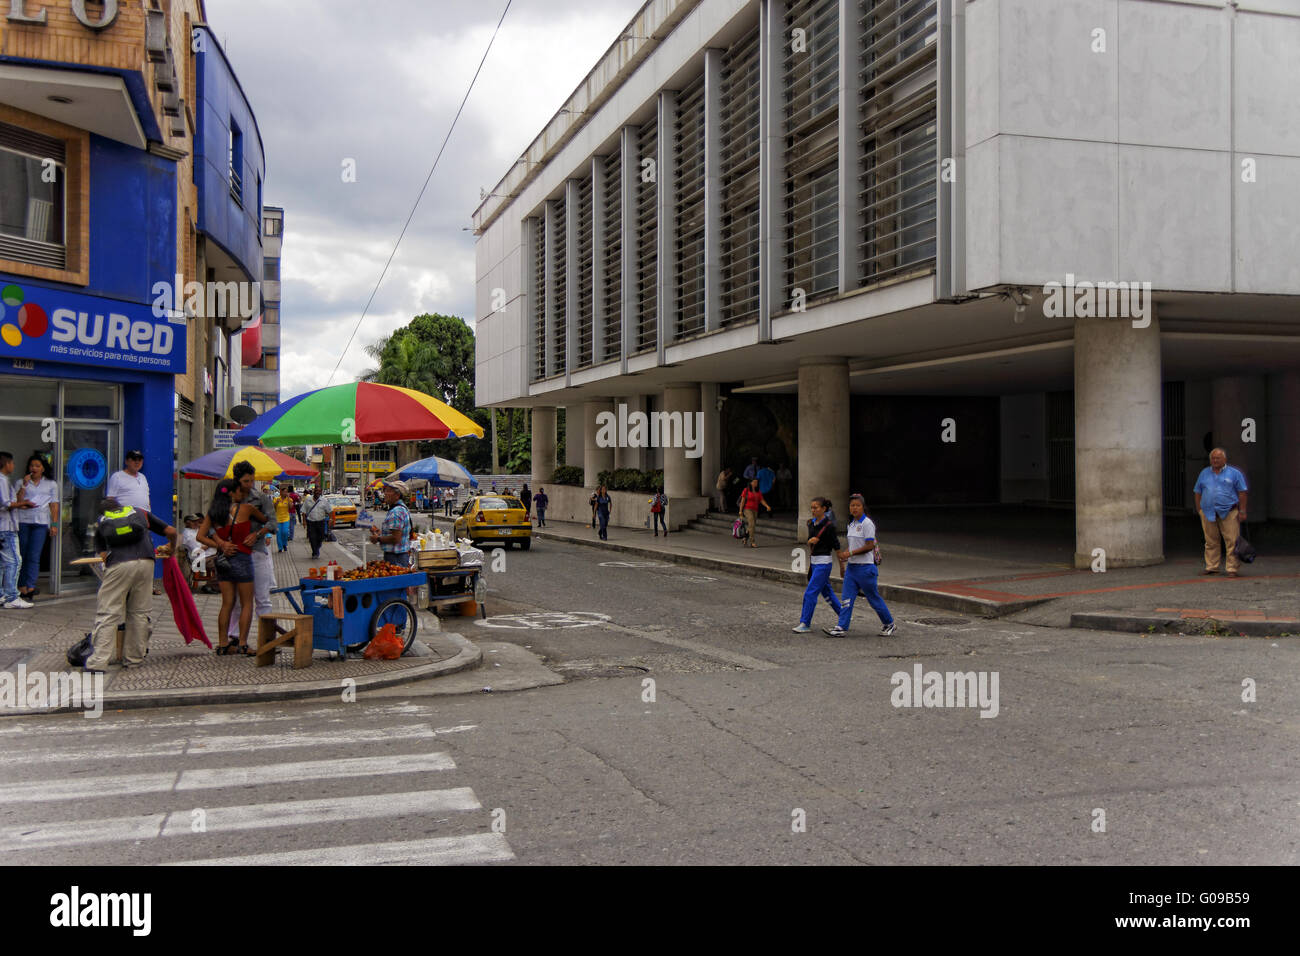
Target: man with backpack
<point>126,591</point>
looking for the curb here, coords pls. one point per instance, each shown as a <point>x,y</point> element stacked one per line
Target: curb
<point>1176,624</point>
<point>468,656</point>
<point>907,594</point>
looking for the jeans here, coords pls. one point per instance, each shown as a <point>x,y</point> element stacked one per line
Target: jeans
<point>263,581</point>
<point>293,520</point>
<point>31,539</point>
<point>819,585</point>
<point>400,558</point>
<point>315,535</point>
<point>862,577</point>
<point>283,534</point>
<point>658,518</point>
<point>602,515</point>
<point>541,517</point>
<point>10,562</point>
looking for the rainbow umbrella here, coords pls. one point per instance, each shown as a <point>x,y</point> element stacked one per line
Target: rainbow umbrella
<point>357,412</point>
<point>269,465</point>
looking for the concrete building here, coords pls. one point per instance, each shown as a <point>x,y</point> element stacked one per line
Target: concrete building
<point>935,251</point>
<point>130,242</point>
<point>260,380</point>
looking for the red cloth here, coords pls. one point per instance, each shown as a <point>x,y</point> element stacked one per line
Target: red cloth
<point>184,611</point>
<point>751,500</point>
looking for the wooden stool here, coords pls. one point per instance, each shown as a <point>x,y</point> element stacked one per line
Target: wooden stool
<point>299,634</point>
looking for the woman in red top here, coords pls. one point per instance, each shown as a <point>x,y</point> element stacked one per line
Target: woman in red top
<point>228,528</point>
<point>750,499</point>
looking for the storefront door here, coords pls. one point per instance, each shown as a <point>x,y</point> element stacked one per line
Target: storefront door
<point>88,458</point>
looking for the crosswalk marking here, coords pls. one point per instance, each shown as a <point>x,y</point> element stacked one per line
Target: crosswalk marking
<point>312,770</point>
<point>130,783</point>
<point>229,819</point>
<point>438,851</point>
<point>82,727</point>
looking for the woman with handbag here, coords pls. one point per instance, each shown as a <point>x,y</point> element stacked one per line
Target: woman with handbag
<point>227,527</point>
<point>750,500</point>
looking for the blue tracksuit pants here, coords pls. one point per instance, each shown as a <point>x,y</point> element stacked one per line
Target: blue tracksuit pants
<point>819,585</point>
<point>862,578</point>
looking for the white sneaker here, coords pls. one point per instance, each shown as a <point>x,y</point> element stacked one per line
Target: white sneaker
<point>19,603</point>
<point>801,628</point>
<point>887,629</point>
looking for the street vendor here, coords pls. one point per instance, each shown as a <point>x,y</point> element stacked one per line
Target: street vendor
<point>126,592</point>
<point>395,533</point>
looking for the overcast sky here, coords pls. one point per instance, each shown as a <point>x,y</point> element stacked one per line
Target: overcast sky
<point>379,82</point>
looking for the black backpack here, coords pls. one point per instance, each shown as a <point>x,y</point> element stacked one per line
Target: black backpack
<point>80,652</point>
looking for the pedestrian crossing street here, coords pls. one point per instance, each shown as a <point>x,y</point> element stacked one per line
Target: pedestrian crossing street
<point>241,788</point>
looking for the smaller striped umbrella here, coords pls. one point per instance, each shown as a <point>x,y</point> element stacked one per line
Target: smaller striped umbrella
<point>270,465</point>
<point>441,472</point>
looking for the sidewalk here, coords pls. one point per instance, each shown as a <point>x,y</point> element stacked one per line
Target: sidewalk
<point>1005,577</point>
<point>174,673</point>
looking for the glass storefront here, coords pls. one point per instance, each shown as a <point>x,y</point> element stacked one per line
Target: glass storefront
<point>78,427</point>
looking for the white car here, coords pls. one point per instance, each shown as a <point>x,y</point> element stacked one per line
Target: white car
<point>353,495</point>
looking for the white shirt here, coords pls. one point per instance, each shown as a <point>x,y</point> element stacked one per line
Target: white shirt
<point>129,490</point>
<point>8,519</point>
<point>859,533</point>
<point>40,495</point>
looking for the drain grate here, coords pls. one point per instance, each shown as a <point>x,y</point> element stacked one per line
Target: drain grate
<point>942,621</point>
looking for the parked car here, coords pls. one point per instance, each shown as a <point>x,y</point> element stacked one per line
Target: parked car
<point>353,494</point>
<point>494,519</point>
<point>345,511</point>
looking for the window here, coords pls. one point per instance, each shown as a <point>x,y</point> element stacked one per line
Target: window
<point>33,192</point>
<point>236,163</point>
<point>270,270</point>
<point>272,226</point>
<point>271,315</point>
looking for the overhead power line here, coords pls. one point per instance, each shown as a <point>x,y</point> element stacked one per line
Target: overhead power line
<point>420,196</point>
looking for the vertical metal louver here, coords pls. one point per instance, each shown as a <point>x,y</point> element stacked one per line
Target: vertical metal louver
<point>613,255</point>
<point>539,298</point>
<point>689,151</point>
<point>585,303</point>
<point>560,289</point>
<point>899,80</point>
<point>647,232</point>
<point>740,181</point>
<point>812,147</point>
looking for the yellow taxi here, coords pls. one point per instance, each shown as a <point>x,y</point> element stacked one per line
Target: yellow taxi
<point>494,519</point>
<point>344,511</point>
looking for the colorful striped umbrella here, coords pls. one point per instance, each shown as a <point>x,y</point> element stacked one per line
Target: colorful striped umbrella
<point>357,412</point>
<point>270,465</point>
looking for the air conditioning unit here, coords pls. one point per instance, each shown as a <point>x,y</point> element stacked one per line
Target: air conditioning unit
<point>177,124</point>
<point>171,104</point>
<point>155,35</point>
<point>164,76</point>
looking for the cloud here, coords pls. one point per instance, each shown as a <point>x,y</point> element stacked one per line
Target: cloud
<point>330,82</point>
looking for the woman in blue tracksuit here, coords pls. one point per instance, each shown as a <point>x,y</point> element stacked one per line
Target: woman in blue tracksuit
<point>822,542</point>
<point>860,572</point>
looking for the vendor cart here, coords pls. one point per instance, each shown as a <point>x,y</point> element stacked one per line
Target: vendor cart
<point>346,615</point>
<point>457,586</point>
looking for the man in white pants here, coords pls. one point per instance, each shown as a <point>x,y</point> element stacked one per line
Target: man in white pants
<point>263,569</point>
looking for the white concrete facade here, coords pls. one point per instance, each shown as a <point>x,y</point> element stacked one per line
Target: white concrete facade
<point>1153,142</point>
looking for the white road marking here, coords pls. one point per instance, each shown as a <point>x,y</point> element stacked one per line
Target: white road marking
<point>342,713</point>
<point>229,819</point>
<point>441,851</point>
<point>136,783</point>
<point>545,620</point>
<point>311,770</point>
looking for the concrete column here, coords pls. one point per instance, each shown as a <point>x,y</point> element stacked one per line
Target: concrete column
<point>1117,443</point>
<point>573,442</point>
<point>594,458</point>
<point>1284,447</point>
<point>681,474</point>
<point>823,436</point>
<point>544,444</point>
<point>710,438</point>
<point>630,457</point>
<point>1234,400</point>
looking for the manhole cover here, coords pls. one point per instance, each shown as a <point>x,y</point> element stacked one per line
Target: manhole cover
<point>941,621</point>
<point>600,669</point>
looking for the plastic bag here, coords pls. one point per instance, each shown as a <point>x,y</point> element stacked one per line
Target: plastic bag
<point>738,529</point>
<point>386,645</point>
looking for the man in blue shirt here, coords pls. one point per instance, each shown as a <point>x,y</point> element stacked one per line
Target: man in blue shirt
<point>1221,502</point>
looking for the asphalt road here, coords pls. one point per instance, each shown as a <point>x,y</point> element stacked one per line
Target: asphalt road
<point>752,745</point>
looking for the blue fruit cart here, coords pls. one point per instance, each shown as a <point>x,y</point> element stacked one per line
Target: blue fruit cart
<point>347,614</point>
